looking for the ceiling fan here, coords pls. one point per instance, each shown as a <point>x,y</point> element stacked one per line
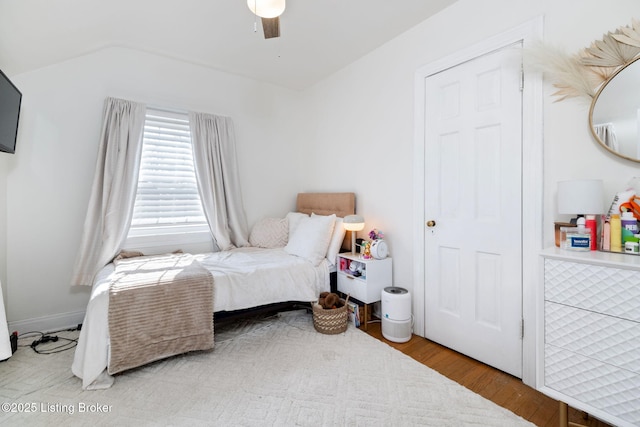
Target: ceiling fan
<point>269,12</point>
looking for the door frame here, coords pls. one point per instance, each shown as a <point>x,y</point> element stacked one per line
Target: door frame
<point>532,182</point>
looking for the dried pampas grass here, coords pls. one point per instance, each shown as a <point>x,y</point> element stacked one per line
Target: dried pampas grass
<point>582,74</point>
<point>565,71</point>
<point>629,35</point>
<point>609,52</point>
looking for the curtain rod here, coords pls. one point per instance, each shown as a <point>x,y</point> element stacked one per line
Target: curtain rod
<point>179,110</point>
<point>167,109</point>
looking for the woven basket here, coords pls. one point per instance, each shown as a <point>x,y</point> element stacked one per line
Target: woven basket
<point>330,321</point>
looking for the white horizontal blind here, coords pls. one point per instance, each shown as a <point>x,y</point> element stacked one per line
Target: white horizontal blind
<point>167,194</point>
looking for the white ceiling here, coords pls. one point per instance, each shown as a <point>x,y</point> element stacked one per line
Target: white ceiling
<point>318,37</point>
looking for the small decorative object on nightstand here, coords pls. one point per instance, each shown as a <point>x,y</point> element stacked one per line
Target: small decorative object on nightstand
<point>378,248</point>
<point>363,279</point>
<point>366,250</point>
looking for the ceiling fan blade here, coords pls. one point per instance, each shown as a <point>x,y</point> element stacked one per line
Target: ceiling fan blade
<point>271,27</point>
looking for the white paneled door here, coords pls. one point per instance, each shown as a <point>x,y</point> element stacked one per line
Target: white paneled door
<point>473,208</point>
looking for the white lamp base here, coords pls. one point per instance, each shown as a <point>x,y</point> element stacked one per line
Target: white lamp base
<point>353,242</point>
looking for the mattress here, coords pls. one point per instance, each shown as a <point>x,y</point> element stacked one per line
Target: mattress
<point>243,278</point>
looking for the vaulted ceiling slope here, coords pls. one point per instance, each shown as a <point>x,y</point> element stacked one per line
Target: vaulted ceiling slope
<point>318,37</point>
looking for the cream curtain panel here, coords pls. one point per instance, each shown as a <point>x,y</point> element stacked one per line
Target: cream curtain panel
<point>607,134</point>
<point>114,188</point>
<point>5,343</point>
<point>214,154</point>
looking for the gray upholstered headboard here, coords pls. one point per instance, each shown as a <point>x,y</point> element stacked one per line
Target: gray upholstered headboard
<point>341,204</point>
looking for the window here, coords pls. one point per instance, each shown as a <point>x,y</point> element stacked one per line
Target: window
<point>167,199</point>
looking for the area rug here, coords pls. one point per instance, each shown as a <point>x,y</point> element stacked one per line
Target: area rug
<point>275,371</point>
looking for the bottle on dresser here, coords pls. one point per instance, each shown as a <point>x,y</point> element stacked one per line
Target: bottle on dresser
<point>629,230</point>
<point>576,238</point>
<point>616,233</point>
<point>591,224</point>
<point>606,234</point>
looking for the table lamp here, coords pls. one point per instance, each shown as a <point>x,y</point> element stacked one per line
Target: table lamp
<point>581,197</point>
<point>353,223</point>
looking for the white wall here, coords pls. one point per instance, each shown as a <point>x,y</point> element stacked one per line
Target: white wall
<point>50,176</point>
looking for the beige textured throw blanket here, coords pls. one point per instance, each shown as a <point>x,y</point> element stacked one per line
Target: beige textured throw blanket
<point>159,306</point>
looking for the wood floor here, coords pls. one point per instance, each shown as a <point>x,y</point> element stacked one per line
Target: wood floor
<point>497,386</point>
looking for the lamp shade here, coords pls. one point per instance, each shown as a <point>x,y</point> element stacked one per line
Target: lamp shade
<point>581,197</point>
<point>353,222</point>
<point>267,8</point>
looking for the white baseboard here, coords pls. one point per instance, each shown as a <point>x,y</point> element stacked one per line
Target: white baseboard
<point>54,323</point>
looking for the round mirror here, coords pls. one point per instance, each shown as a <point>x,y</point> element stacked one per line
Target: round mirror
<point>614,116</point>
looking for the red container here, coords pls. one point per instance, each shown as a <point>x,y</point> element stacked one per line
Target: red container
<point>591,224</point>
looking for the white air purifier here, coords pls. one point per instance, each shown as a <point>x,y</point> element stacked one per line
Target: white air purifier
<point>397,322</point>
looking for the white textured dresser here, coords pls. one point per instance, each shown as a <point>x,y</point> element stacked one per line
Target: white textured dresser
<point>589,333</point>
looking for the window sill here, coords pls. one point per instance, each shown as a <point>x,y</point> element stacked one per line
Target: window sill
<point>152,240</point>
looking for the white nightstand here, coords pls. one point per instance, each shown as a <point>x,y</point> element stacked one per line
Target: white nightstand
<point>366,283</point>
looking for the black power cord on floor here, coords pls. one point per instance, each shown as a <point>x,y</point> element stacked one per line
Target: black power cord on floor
<point>67,343</point>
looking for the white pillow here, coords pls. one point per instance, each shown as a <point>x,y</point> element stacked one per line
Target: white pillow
<point>311,237</point>
<point>270,233</point>
<point>294,219</point>
<point>336,240</point>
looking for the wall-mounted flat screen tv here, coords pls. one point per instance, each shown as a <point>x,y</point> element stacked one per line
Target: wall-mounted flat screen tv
<point>10,99</point>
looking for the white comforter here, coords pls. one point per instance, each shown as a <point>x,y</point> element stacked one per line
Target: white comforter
<point>243,278</point>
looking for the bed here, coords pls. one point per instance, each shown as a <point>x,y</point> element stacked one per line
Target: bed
<point>283,265</point>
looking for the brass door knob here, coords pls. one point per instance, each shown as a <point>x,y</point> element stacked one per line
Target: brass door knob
<point>431,223</point>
